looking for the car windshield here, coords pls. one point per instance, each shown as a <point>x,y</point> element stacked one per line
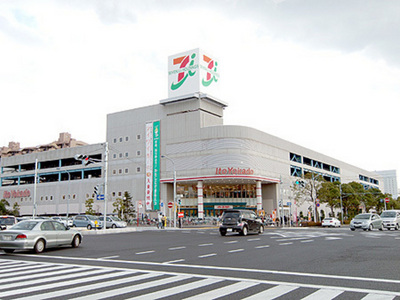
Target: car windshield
<point>93,218</point>
<point>362,217</point>
<point>7,220</point>
<point>25,225</point>
<point>234,215</point>
<point>327,219</point>
<point>388,214</point>
<point>115,218</point>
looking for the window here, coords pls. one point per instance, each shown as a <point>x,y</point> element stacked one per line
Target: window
<point>138,153</point>
<point>120,139</point>
<point>126,171</point>
<point>138,170</point>
<point>114,155</point>
<point>126,154</point>
<point>295,171</point>
<point>120,155</point>
<point>115,140</point>
<point>295,157</point>
<point>138,137</point>
<point>126,138</point>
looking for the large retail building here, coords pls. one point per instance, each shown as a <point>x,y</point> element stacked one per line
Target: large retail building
<point>181,140</point>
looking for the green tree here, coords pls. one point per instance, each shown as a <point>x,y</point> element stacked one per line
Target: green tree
<point>3,207</point>
<point>15,209</point>
<point>89,207</point>
<point>124,207</point>
<point>329,193</point>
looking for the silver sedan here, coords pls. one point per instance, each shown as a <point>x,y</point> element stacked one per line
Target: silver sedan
<point>38,235</point>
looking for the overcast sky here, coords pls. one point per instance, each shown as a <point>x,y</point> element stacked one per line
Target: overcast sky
<point>324,74</point>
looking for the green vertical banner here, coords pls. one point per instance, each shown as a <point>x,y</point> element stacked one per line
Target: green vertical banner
<point>156,165</point>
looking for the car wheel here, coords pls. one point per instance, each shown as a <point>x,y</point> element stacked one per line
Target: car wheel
<point>244,231</point>
<point>114,226</point>
<point>76,241</point>
<point>8,250</point>
<point>89,227</point>
<point>261,230</point>
<point>222,232</point>
<point>352,229</point>
<point>39,246</point>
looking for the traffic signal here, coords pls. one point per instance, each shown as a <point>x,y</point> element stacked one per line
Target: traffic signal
<point>83,158</point>
<point>97,190</point>
<point>301,183</point>
<point>179,201</point>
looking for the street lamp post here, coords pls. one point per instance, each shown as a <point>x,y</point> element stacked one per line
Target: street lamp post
<point>173,165</point>
<point>35,189</point>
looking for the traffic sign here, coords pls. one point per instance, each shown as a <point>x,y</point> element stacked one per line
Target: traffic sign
<point>387,200</point>
<point>180,214</point>
<point>170,204</point>
<point>100,197</point>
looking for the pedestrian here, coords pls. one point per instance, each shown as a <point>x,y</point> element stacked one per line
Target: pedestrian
<point>160,221</point>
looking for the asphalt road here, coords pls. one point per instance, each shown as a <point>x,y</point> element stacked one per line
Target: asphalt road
<point>309,257</point>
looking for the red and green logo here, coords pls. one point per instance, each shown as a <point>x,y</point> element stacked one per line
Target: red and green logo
<point>186,68</point>
<point>211,69</point>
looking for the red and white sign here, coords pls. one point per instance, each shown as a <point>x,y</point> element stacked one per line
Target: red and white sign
<point>387,200</point>
<point>234,171</point>
<point>170,204</point>
<point>223,206</point>
<point>180,214</point>
<point>16,194</point>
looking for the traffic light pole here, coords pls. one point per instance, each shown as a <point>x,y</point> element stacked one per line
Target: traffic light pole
<point>105,184</point>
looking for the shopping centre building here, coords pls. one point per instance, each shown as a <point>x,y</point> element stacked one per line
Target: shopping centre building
<point>182,142</point>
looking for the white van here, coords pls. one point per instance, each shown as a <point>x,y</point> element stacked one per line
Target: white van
<point>7,221</point>
<point>391,219</point>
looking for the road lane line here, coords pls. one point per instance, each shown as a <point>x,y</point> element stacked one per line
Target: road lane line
<point>204,245</point>
<point>177,248</point>
<point>236,250</point>
<point>252,240</point>
<point>108,257</point>
<point>260,247</point>
<point>284,244</point>
<point>173,261</point>
<point>145,252</point>
<point>231,242</point>
<point>307,241</point>
<point>207,255</point>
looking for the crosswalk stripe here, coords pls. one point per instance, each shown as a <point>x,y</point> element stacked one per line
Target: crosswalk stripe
<point>377,297</point>
<point>323,294</point>
<point>226,290</point>
<point>273,292</point>
<point>28,270</point>
<point>54,277</point>
<point>94,277</point>
<point>178,289</point>
<point>125,290</point>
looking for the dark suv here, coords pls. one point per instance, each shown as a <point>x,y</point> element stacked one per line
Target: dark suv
<point>242,221</point>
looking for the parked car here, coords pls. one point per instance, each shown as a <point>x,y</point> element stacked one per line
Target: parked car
<point>67,222</point>
<point>242,221</point>
<point>38,235</point>
<point>391,219</point>
<point>87,221</point>
<point>331,222</point>
<point>7,221</point>
<point>367,221</point>
<point>115,222</point>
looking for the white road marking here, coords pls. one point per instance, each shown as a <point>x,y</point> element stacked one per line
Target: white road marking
<point>173,261</point>
<point>236,250</point>
<point>177,248</point>
<point>145,252</point>
<point>207,255</point>
<point>205,245</point>
<point>260,247</point>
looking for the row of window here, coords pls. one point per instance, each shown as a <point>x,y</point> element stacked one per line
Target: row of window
<point>368,179</point>
<point>299,172</point>
<point>313,163</point>
<point>72,198</point>
<point>126,139</point>
<point>125,155</point>
<point>51,177</point>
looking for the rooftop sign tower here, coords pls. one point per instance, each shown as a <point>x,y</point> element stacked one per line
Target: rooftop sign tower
<point>192,72</point>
